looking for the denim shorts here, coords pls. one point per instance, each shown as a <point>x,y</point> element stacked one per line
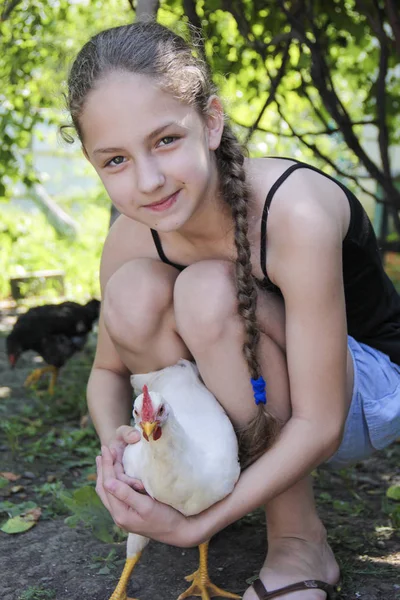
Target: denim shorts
<point>373,421</point>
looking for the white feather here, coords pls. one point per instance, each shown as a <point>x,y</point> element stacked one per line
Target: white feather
<point>195,461</point>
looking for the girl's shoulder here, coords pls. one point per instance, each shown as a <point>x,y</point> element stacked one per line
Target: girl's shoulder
<point>286,189</point>
<point>126,240</point>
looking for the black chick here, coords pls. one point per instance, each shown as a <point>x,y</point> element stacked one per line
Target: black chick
<point>55,331</point>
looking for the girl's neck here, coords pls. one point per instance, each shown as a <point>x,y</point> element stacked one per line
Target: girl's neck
<point>212,221</point>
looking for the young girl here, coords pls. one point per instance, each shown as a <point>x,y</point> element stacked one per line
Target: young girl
<point>259,270</point>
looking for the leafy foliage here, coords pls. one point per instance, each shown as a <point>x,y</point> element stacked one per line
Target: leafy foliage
<point>29,243</point>
<point>38,40</point>
<point>312,79</point>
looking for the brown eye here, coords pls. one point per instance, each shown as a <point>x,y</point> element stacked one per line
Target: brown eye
<point>161,411</point>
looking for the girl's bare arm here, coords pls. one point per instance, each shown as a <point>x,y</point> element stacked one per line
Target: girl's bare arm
<point>109,393</point>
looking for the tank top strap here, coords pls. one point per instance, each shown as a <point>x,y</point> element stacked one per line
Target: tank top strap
<point>264,217</point>
<point>161,254</point>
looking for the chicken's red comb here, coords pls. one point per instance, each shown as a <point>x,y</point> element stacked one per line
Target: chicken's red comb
<point>147,408</point>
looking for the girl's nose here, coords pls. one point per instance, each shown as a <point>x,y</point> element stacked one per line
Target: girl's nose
<point>149,176</point>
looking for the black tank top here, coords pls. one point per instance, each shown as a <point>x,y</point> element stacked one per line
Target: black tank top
<point>372,303</point>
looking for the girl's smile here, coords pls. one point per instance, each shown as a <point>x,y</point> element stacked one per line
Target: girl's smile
<point>163,204</point>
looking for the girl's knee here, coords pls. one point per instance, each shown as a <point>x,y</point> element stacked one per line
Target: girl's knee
<point>136,297</point>
<point>205,302</point>
<point>204,299</point>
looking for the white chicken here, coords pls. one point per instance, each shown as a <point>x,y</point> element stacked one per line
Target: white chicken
<point>187,457</point>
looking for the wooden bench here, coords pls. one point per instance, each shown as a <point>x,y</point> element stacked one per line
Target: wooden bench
<point>34,283</point>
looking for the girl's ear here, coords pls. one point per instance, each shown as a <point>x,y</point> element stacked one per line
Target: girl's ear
<point>214,122</point>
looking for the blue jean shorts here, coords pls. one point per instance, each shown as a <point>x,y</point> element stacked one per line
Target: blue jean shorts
<point>373,421</point>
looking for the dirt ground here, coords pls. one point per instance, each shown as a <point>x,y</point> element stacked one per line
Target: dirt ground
<point>54,561</point>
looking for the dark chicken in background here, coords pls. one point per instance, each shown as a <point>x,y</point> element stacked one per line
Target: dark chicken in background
<point>55,331</point>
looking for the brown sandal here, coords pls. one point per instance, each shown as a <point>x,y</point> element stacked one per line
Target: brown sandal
<point>263,594</point>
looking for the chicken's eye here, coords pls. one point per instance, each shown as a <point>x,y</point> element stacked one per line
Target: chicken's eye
<point>161,411</point>
<point>135,412</point>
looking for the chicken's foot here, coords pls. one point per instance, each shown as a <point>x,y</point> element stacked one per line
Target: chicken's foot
<point>120,591</point>
<point>37,374</point>
<point>202,585</point>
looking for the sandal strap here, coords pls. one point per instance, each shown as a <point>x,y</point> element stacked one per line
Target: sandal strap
<point>263,594</point>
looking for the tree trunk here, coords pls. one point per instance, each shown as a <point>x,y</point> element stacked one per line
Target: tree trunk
<point>60,220</point>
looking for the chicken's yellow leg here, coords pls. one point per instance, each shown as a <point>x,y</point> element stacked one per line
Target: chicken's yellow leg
<point>53,379</point>
<point>120,591</point>
<point>37,374</point>
<point>202,585</point>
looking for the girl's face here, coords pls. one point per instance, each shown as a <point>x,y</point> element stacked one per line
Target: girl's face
<point>152,152</point>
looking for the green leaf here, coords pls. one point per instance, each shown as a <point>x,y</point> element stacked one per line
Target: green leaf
<point>87,508</point>
<point>393,492</point>
<point>17,525</point>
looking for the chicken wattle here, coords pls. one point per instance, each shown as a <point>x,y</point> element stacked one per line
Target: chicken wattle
<point>187,457</point>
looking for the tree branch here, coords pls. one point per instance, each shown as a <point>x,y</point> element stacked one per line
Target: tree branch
<point>273,89</point>
<point>319,114</point>
<point>240,19</point>
<point>146,9</point>
<point>317,152</point>
<point>383,136</point>
<point>330,131</point>
<point>374,23</point>
<point>189,7</point>
<point>300,137</point>
<point>394,20</point>
<point>244,29</point>
<point>7,9</point>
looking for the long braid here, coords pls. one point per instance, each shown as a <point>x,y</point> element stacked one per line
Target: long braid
<point>259,434</point>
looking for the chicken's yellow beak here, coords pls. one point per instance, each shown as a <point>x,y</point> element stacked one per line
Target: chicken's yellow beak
<point>148,427</point>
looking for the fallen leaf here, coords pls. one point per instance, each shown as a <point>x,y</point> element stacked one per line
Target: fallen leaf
<point>34,513</point>
<point>9,476</point>
<point>17,488</point>
<point>22,522</point>
<point>91,477</point>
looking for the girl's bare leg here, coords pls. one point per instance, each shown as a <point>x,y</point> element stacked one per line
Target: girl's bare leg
<point>207,320</point>
<point>139,315</point>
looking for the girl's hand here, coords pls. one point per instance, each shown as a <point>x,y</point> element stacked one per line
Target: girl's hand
<point>124,435</point>
<point>141,514</point>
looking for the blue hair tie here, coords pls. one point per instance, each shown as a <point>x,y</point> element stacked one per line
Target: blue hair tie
<point>259,390</point>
